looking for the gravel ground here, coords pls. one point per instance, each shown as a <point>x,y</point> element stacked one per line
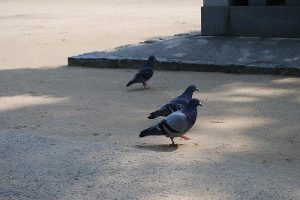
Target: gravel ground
<point>73,133</point>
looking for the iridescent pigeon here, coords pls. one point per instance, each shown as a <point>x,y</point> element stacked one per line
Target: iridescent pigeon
<point>175,104</point>
<point>144,74</point>
<point>176,124</point>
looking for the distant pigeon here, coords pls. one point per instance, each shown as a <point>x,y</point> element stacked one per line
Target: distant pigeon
<point>176,124</point>
<point>175,104</point>
<point>144,74</point>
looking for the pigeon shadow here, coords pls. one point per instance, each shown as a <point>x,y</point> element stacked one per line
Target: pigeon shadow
<point>137,89</point>
<point>157,148</point>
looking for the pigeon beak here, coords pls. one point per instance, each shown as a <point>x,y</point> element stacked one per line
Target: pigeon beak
<point>200,104</point>
<point>197,89</point>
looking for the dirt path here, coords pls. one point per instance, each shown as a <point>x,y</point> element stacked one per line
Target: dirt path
<point>43,33</point>
<point>75,131</point>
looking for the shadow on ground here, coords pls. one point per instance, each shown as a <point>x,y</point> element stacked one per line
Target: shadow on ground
<point>157,148</point>
<point>73,133</point>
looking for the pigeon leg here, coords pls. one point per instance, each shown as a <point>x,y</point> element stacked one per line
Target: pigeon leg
<point>145,85</point>
<point>185,137</point>
<point>173,143</point>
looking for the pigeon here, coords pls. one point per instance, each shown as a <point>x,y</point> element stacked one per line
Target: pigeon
<point>176,124</point>
<point>144,74</point>
<point>175,104</point>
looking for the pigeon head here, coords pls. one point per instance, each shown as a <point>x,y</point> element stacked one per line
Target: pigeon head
<point>189,91</point>
<point>193,103</point>
<point>151,59</point>
<point>192,88</point>
<point>150,62</point>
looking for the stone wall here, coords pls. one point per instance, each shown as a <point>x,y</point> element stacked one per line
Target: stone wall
<point>265,18</point>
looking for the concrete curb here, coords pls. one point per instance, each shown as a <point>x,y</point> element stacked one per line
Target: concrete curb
<point>181,66</point>
<point>193,52</point>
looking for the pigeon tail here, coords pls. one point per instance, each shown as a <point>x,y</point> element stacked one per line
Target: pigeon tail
<point>164,111</point>
<point>151,131</point>
<point>154,115</point>
<point>131,82</point>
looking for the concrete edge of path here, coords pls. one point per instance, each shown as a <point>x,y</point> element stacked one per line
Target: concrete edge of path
<point>181,66</point>
<point>193,52</point>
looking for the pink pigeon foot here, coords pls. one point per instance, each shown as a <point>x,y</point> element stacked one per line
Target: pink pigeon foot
<point>185,137</point>
<point>145,86</point>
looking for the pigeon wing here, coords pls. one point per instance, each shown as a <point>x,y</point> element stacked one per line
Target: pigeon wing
<point>178,102</point>
<point>145,74</point>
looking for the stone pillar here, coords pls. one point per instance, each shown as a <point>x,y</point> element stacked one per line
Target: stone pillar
<point>263,18</point>
<point>214,17</point>
<point>293,2</point>
<point>216,3</point>
<point>239,2</point>
<point>257,2</point>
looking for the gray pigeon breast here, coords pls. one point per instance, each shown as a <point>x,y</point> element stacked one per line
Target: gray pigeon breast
<point>178,122</point>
